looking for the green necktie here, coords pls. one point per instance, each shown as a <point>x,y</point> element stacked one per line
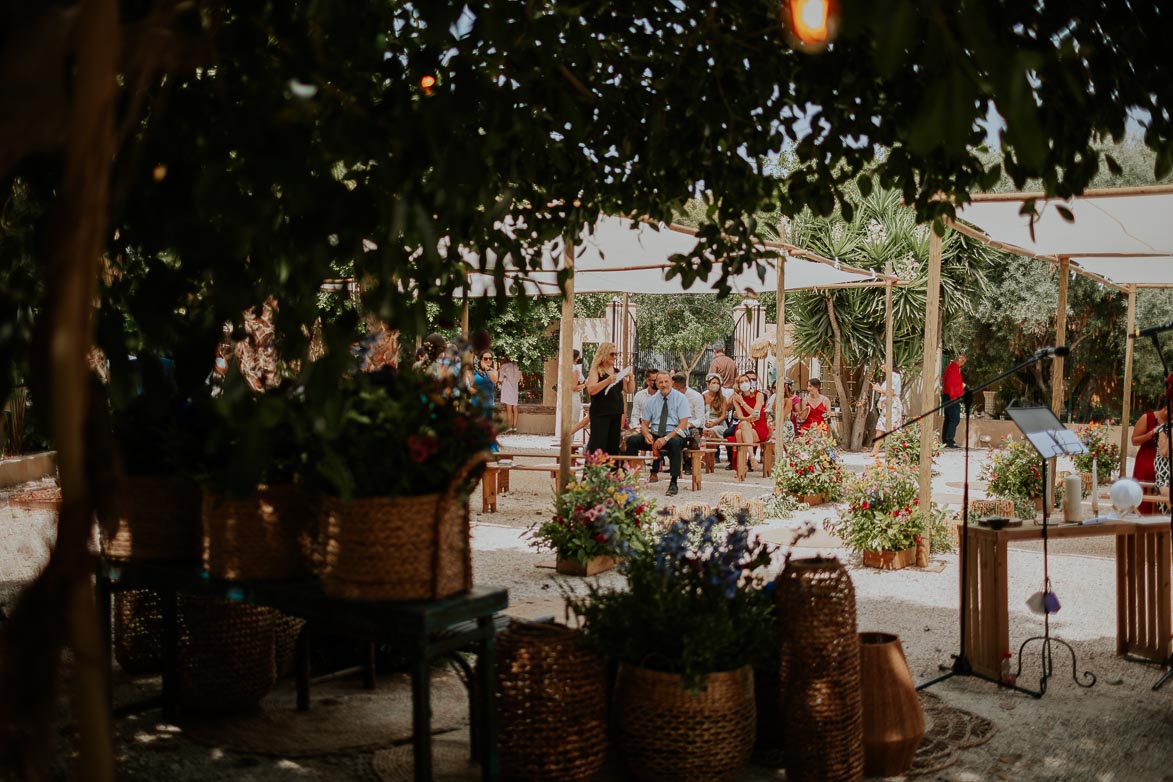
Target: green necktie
<point>663,415</point>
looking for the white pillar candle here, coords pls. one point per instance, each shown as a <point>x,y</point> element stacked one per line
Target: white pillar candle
<point>1095,491</point>
<point>1072,501</point>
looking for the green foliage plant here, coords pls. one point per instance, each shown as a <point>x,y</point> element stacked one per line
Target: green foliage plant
<point>1013,472</point>
<point>811,465</point>
<point>604,513</point>
<point>1102,455</point>
<point>903,446</point>
<point>694,604</point>
<point>882,507</point>
<point>395,435</point>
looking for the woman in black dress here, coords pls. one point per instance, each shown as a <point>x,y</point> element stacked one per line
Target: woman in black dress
<point>606,400</point>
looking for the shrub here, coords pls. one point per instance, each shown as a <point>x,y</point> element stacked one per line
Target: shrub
<point>810,465</point>
<point>1013,472</point>
<point>1102,454</point>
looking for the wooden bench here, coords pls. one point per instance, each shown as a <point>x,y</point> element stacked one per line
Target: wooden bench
<point>767,458</point>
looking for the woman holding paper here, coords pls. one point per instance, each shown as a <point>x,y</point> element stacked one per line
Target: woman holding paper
<point>606,387</point>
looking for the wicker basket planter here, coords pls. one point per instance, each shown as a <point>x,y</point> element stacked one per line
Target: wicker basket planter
<point>594,565</point>
<point>552,702</point>
<point>400,548</point>
<point>667,732</point>
<point>259,537</point>
<point>160,520</point>
<point>138,631</point>
<point>890,560</point>
<point>227,654</point>
<point>980,509</point>
<point>813,499</point>
<point>818,671</point>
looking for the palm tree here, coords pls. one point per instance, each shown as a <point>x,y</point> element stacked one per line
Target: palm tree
<point>845,327</point>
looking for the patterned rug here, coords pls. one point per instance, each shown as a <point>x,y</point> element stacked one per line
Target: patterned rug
<point>948,731</point>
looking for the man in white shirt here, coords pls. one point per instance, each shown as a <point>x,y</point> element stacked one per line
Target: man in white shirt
<point>663,427</point>
<point>640,400</point>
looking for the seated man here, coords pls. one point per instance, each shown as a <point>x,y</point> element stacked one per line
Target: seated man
<point>663,427</point>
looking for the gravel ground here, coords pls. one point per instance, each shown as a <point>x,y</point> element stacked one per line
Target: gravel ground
<point>1116,730</point>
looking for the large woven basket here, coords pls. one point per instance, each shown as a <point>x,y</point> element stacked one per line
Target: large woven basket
<point>667,732</point>
<point>227,657</point>
<point>160,520</point>
<point>552,704</point>
<point>401,548</point>
<point>819,680</point>
<point>258,537</point>
<point>138,631</point>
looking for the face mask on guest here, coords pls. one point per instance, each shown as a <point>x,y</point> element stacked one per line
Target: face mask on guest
<point>745,388</point>
<point>714,387</point>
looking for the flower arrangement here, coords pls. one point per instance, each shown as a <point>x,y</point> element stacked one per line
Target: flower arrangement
<point>603,514</point>
<point>1101,454</point>
<point>884,513</point>
<point>398,434</point>
<point>692,607</point>
<point>811,465</point>
<point>903,447</point>
<point>1013,472</point>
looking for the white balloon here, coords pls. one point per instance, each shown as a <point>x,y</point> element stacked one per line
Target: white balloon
<point>1126,496</point>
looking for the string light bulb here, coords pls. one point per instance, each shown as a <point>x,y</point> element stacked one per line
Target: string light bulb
<point>427,83</point>
<point>810,24</point>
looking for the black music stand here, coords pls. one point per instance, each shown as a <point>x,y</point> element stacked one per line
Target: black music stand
<point>1046,433</point>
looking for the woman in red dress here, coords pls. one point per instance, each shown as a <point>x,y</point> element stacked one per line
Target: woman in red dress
<point>752,426</point>
<point>1144,435</point>
<point>812,409</point>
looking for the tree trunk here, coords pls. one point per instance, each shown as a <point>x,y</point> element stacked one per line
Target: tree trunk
<point>58,608</point>
<point>846,420</point>
<point>862,408</point>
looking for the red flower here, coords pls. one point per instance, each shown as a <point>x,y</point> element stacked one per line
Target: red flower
<point>421,448</point>
<point>601,538</point>
<point>864,505</point>
<point>916,500</point>
<point>918,540</point>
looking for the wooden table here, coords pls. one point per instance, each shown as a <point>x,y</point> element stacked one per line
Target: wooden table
<point>1143,626</point>
<point>423,629</point>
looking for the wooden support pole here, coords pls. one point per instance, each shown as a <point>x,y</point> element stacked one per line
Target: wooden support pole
<point>565,368</point>
<point>1060,339</point>
<point>780,349</point>
<point>1126,413</point>
<point>930,382</point>
<point>889,357</point>
<point>464,316</point>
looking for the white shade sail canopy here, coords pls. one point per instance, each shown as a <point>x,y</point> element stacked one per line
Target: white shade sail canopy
<point>621,255</point>
<point>1121,237</point>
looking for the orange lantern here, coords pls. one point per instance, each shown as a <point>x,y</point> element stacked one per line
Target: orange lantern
<point>810,24</point>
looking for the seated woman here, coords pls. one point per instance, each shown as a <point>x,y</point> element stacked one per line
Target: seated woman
<point>812,408</point>
<point>751,427</point>
<point>715,406</point>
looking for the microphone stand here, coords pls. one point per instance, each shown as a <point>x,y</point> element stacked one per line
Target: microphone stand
<point>961,664</point>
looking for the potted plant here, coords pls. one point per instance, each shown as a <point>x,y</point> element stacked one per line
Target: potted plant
<point>685,632</point>
<point>903,446</point>
<point>397,453</point>
<point>810,469</point>
<point>884,521</point>
<point>1013,473</point>
<point>1102,457</point>
<point>595,518</point>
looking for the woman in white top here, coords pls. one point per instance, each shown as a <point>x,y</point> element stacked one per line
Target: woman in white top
<point>509,375</point>
<point>576,400</point>
<point>897,408</point>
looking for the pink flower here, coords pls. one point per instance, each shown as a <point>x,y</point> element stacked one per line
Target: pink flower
<point>421,448</point>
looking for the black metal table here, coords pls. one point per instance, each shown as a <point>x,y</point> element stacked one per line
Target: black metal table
<point>424,629</point>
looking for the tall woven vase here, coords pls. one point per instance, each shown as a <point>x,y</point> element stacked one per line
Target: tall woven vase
<point>227,658</point>
<point>401,548</point>
<point>819,674</point>
<point>893,721</point>
<point>552,704</point>
<point>667,732</point>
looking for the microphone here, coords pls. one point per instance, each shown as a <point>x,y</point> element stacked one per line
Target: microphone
<point>1057,352</point>
<point>1151,330</point>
